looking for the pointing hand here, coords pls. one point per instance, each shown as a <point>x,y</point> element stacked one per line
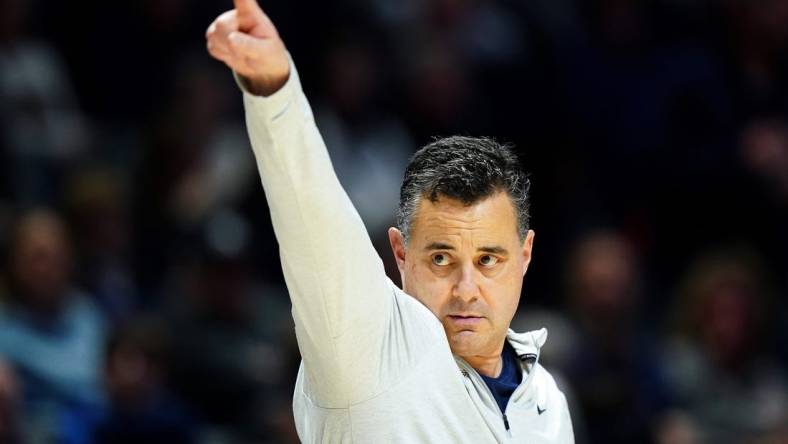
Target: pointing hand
<point>246,40</point>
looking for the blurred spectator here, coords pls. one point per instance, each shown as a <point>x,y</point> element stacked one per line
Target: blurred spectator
<point>369,149</point>
<point>41,126</point>
<point>439,91</point>
<point>757,45</point>
<point>49,331</point>
<point>764,150</point>
<point>719,358</point>
<point>676,427</point>
<point>10,414</point>
<point>613,367</point>
<point>233,345</point>
<point>205,154</point>
<point>98,202</point>
<point>140,409</point>
<point>199,161</point>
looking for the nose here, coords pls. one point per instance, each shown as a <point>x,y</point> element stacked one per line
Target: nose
<point>466,288</point>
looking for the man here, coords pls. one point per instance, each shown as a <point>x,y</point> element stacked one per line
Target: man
<point>52,333</point>
<point>435,361</point>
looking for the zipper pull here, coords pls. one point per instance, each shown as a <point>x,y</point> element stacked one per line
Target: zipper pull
<point>505,422</point>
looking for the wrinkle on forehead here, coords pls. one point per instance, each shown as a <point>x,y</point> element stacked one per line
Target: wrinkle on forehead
<point>493,217</point>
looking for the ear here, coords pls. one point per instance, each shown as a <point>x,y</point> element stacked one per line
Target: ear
<point>528,245</point>
<point>397,242</point>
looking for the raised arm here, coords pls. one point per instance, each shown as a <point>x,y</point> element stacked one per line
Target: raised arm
<point>342,299</point>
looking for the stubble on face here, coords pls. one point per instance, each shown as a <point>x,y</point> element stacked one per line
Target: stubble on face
<point>475,301</point>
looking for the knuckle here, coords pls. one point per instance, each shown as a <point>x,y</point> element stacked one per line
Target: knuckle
<point>226,20</point>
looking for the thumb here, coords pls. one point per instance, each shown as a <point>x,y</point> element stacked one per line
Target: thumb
<point>249,14</point>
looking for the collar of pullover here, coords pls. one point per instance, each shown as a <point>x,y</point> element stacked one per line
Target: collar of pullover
<point>528,344</point>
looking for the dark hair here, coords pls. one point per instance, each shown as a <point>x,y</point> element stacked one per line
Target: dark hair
<point>467,169</point>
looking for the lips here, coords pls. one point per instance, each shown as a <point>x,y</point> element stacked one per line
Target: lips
<point>465,320</point>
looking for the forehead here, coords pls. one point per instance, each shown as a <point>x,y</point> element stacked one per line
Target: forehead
<point>446,219</point>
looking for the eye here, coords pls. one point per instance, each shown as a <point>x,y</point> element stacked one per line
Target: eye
<point>488,260</point>
<point>440,259</point>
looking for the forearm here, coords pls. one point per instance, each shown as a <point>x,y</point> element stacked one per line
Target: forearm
<point>335,278</point>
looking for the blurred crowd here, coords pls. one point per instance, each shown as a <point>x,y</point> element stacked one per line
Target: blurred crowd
<point>140,288</point>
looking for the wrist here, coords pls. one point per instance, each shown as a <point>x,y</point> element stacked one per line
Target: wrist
<point>264,85</point>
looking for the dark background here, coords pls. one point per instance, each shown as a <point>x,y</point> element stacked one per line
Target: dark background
<point>142,295</point>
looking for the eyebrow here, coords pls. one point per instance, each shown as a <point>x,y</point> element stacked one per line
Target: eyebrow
<point>494,250</point>
<point>438,246</point>
<point>443,246</point>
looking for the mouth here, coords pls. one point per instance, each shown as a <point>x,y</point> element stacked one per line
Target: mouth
<point>465,320</point>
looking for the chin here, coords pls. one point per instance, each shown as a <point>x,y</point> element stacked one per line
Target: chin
<point>464,343</point>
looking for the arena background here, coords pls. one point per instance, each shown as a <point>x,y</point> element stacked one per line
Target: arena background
<point>141,289</point>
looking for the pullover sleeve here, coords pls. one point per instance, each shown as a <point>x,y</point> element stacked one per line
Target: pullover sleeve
<point>342,299</point>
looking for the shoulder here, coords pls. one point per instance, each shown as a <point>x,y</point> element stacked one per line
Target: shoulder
<point>548,391</point>
<point>550,399</point>
<point>545,378</point>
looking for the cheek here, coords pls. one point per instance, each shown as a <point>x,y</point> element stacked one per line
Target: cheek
<point>504,292</point>
<point>432,291</point>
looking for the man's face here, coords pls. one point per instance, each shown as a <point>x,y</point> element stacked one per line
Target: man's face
<point>466,264</point>
<point>41,261</point>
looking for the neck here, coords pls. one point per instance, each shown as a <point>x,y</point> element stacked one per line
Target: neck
<point>489,366</point>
